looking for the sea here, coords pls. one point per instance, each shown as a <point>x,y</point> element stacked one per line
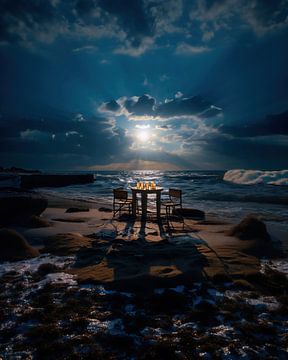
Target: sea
<point>230,195</point>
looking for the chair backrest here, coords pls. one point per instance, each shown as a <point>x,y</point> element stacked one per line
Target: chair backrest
<point>175,194</point>
<point>120,194</point>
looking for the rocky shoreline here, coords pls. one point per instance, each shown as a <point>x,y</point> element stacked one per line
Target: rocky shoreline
<point>84,285</point>
<point>28,179</point>
<point>46,314</point>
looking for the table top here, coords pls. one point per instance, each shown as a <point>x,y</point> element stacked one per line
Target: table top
<point>158,188</point>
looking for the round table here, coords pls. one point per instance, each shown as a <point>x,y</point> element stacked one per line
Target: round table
<point>144,193</point>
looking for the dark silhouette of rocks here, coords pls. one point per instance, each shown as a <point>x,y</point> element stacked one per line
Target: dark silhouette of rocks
<point>55,180</point>
<point>190,213</point>
<point>105,209</point>
<point>250,228</point>
<point>17,170</point>
<point>19,205</point>
<point>75,210</point>
<point>14,247</point>
<point>37,222</point>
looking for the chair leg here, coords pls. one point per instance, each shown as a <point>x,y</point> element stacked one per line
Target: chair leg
<point>167,216</point>
<point>114,212</point>
<point>181,218</point>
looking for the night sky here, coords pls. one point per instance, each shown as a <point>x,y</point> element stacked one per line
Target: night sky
<point>155,84</point>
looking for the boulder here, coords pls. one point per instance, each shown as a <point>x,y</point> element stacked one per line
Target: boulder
<point>14,247</point>
<point>47,268</point>
<point>105,209</point>
<point>250,228</point>
<point>75,209</point>
<point>17,170</point>
<point>19,205</point>
<point>190,213</point>
<point>37,222</point>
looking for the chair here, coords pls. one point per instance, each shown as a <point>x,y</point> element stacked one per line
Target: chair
<point>174,201</point>
<point>121,200</point>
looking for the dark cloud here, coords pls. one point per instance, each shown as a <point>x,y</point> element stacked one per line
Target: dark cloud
<point>217,150</point>
<point>260,16</point>
<point>146,105</point>
<point>272,125</point>
<point>135,25</point>
<point>95,140</point>
<point>246,153</point>
<point>195,105</point>
<point>29,21</point>
<point>268,15</point>
<point>131,17</point>
<point>62,142</point>
<point>111,106</point>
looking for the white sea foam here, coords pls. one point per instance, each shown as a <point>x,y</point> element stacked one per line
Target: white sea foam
<point>280,265</point>
<point>32,265</point>
<point>252,177</point>
<point>113,327</point>
<point>59,278</point>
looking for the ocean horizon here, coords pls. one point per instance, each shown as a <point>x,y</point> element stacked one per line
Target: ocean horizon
<point>231,194</point>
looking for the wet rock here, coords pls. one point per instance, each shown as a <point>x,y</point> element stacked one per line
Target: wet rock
<point>211,343</point>
<point>273,281</point>
<point>244,284</point>
<point>206,306</point>
<point>47,268</point>
<point>283,299</point>
<point>221,277</point>
<point>159,350</point>
<point>75,209</point>
<point>14,247</point>
<point>17,205</point>
<point>228,315</point>
<point>250,228</point>
<point>135,323</point>
<point>70,220</point>
<point>37,222</point>
<point>169,301</point>
<point>255,331</point>
<point>118,343</point>
<point>190,213</point>
<point>105,209</point>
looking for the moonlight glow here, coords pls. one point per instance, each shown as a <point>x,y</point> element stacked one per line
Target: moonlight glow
<point>105,83</point>
<point>143,135</point>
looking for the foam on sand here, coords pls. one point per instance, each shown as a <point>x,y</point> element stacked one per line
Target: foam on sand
<point>252,177</point>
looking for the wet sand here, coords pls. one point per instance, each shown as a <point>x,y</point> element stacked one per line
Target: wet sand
<point>128,253</point>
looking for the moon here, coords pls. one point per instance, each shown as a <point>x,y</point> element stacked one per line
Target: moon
<point>143,135</point>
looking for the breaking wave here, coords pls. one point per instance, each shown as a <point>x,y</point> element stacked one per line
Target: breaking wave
<point>253,177</point>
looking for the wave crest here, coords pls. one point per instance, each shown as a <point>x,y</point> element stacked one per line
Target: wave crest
<point>252,177</point>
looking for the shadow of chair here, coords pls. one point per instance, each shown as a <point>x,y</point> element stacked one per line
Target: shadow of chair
<point>121,201</point>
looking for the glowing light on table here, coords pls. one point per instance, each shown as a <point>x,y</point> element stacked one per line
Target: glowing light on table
<point>147,185</point>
